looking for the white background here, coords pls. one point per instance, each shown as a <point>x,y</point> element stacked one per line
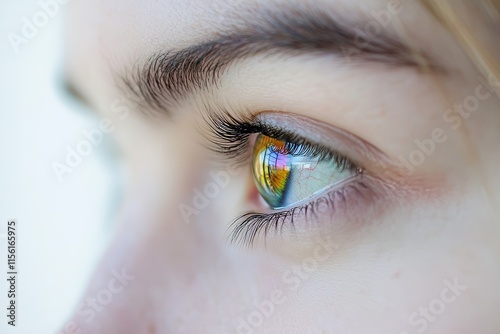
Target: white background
<point>63,227</point>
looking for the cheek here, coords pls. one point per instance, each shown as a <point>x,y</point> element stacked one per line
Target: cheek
<point>175,275</point>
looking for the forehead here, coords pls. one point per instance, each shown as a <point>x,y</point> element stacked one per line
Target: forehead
<point>105,37</point>
<point>146,25</point>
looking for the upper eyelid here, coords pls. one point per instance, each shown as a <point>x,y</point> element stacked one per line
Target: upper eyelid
<point>369,158</point>
<point>315,150</point>
<point>244,128</point>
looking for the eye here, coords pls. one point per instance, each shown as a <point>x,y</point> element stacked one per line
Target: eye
<point>298,167</point>
<point>286,173</point>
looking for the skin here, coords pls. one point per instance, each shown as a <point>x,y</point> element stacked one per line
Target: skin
<point>389,262</point>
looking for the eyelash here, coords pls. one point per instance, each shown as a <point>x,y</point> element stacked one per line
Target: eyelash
<point>248,226</point>
<point>230,137</point>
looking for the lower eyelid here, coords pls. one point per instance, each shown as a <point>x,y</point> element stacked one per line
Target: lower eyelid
<point>334,206</point>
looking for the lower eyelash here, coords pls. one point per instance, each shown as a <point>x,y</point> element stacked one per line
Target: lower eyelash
<point>246,228</point>
<point>230,137</point>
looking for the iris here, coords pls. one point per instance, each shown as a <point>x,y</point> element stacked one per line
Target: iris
<point>285,174</point>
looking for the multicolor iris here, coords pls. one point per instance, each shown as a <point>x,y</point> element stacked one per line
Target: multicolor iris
<point>283,179</point>
<point>271,167</point>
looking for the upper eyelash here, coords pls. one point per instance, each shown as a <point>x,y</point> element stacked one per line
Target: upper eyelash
<point>230,136</point>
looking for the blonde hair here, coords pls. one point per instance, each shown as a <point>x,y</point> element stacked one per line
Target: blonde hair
<point>484,58</point>
<point>447,13</point>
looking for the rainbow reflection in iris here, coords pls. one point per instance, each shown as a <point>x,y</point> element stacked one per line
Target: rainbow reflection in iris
<point>283,178</point>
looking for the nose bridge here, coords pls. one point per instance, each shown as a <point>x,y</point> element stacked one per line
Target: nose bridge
<point>169,250</point>
<point>155,255</point>
<point>143,271</point>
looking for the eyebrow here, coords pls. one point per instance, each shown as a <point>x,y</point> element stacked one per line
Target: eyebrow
<point>166,77</point>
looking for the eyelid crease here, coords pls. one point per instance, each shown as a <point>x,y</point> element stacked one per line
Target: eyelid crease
<point>368,157</point>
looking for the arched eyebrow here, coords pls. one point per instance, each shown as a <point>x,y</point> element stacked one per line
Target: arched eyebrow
<point>166,77</point>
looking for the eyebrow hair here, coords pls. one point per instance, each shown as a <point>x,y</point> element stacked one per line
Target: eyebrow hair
<point>166,77</point>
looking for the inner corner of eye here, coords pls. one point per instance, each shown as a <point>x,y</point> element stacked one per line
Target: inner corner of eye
<point>286,174</point>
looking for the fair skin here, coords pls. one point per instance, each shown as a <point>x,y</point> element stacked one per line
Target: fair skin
<point>384,256</point>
